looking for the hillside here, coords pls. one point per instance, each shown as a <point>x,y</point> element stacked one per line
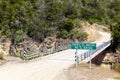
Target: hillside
<point>31,25</point>
<point>60,18</point>
<point>6,46</point>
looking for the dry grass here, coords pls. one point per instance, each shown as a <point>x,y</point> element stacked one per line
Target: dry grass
<point>117,78</point>
<point>1,55</point>
<point>82,72</point>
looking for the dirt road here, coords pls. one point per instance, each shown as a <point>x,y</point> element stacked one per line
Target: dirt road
<point>46,68</point>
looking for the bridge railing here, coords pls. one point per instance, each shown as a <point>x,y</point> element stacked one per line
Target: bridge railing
<point>86,55</point>
<point>26,55</point>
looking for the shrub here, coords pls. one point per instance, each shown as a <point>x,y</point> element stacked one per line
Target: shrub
<point>116,35</point>
<point>18,36</point>
<point>70,11</point>
<point>1,55</point>
<point>77,23</point>
<point>117,67</point>
<point>63,34</point>
<point>67,25</point>
<point>81,36</point>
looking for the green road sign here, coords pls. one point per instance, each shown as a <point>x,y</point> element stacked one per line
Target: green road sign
<point>87,46</point>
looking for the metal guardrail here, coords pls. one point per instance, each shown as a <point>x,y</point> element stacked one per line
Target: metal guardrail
<point>30,55</point>
<point>89,53</point>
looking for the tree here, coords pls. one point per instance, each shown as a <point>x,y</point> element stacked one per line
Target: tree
<point>116,34</point>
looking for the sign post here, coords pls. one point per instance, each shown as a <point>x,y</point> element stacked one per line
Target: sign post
<point>85,46</point>
<point>76,57</point>
<point>90,59</point>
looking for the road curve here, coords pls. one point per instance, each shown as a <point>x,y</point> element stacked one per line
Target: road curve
<point>46,68</point>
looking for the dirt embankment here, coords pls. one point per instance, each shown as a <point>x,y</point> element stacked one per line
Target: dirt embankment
<point>82,72</point>
<point>93,30</point>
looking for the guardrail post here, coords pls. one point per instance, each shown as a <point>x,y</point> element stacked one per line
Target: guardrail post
<point>76,58</point>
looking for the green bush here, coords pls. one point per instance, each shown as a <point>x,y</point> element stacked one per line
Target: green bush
<point>81,36</point>
<point>18,36</point>
<point>116,35</point>
<point>77,23</point>
<point>67,25</point>
<point>63,34</point>
<point>117,67</point>
<point>1,55</point>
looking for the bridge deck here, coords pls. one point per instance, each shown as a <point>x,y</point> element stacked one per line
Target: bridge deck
<point>86,55</point>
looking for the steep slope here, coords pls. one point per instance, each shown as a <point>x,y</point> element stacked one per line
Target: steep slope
<point>94,31</point>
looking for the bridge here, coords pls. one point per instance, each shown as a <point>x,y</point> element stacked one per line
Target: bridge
<point>83,56</point>
<point>87,55</point>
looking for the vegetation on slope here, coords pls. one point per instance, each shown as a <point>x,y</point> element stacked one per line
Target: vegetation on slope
<point>37,19</point>
<point>41,18</point>
<point>1,56</point>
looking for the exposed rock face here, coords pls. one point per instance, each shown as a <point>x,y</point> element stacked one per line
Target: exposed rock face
<point>117,55</point>
<point>5,46</point>
<point>51,42</point>
<point>26,44</point>
<point>48,43</point>
<point>29,45</point>
<point>111,59</point>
